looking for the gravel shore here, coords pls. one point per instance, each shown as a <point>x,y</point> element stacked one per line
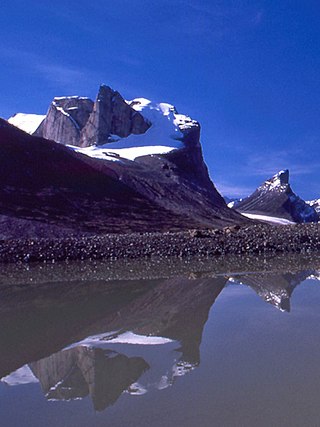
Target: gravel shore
<point>254,239</point>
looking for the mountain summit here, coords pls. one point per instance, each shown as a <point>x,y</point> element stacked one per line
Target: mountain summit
<point>274,201</point>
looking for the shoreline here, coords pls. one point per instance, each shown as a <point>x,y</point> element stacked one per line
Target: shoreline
<point>235,240</point>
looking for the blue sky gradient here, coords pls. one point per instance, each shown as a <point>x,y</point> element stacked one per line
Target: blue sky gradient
<point>247,70</point>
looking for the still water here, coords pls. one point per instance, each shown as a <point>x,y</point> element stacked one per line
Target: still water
<point>227,342</point>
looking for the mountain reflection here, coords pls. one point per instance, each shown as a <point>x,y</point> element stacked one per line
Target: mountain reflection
<point>275,289</point>
<point>82,371</point>
<point>102,335</point>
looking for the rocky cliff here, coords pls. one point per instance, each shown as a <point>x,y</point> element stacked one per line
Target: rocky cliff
<point>82,371</point>
<point>111,115</point>
<point>65,119</point>
<point>78,121</point>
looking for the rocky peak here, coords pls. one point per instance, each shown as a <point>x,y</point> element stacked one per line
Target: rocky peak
<point>111,115</point>
<point>275,200</point>
<point>65,119</point>
<point>278,182</point>
<point>78,121</point>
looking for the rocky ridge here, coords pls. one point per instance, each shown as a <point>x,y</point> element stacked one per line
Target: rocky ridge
<point>78,121</point>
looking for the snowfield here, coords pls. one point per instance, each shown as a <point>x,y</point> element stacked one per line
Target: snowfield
<point>270,219</point>
<point>27,122</point>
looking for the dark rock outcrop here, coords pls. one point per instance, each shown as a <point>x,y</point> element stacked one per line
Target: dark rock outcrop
<point>275,198</point>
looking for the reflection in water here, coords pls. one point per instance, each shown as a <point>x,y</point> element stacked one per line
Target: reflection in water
<point>99,336</point>
<point>79,371</point>
<point>275,289</point>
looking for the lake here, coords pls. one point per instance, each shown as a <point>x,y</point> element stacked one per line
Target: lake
<point>198,342</point>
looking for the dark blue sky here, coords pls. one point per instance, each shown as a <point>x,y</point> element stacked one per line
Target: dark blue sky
<point>247,70</point>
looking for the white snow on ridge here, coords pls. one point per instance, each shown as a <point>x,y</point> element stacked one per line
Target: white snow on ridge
<point>150,111</point>
<point>163,136</point>
<point>130,153</point>
<point>271,219</point>
<point>277,182</point>
<point>132,338</point>
<point>315,204</point>
<point>121,338</point>
<point>23,375</point>
<point>61,98</point>
<point>27,122</point>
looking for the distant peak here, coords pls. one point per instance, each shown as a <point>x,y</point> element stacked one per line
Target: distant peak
<point>278,180</point>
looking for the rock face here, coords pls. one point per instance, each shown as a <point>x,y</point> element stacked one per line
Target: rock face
<point>275,198</point>
<point>82,371</point>
<point>65,119</point>
<point>154,181</point>
<point>111,115</point>
<point>78,121</point>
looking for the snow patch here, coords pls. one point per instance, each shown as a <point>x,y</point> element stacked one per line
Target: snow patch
<point>136,389</point>
<point>23,375</point>
<point>271,219</point>
<point>27,122</point>
<point>132,338</point>
<point>315,204</point>
<point>234,203</point>
<point>124,338</point>
<point>153,112</point>
<point>61,98</point>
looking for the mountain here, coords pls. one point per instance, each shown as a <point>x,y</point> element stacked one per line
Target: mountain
<point>274,201</point>
<point>110,166</point>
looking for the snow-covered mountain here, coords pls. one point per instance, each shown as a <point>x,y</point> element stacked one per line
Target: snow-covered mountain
<point>275,202</point>
<point>105,166</point>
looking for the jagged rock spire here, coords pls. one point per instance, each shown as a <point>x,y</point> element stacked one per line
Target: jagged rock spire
<point>111,115</point>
